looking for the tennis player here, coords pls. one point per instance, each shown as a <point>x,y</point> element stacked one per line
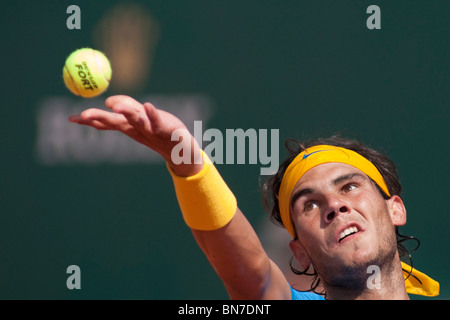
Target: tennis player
<point>338,200</point>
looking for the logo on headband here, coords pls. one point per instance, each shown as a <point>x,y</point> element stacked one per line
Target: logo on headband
<point>307,155</point>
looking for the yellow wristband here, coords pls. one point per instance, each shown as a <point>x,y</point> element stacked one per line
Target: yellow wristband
<point>204,198</point>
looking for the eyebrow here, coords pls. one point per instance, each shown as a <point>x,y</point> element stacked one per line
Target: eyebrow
<point>347,177</point>
<point>335,182</point>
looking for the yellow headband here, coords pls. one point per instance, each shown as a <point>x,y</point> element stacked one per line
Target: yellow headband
<point>315,156</point>
<point>320,154</point>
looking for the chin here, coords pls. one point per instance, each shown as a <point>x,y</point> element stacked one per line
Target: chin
<point>357,260</point>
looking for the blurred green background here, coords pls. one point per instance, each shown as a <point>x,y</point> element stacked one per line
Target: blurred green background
<point>74,196</point>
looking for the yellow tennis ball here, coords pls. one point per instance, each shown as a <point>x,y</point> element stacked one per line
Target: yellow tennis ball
<point>87,72</point>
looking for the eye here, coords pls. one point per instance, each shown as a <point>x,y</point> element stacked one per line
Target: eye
<point>349,187</point>
<point>310,205</point>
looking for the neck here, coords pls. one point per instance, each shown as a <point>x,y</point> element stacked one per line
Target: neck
<point>379,283</point>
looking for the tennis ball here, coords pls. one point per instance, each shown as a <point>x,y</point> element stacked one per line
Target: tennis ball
<point>87,72</point>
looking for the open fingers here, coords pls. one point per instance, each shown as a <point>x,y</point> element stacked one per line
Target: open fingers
<point>132,110</point>
<point>101,119</point>
<point>153,116</point>
<point>92,123</point>
<point>111,101</point>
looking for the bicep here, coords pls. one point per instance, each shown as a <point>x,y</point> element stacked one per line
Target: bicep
<point>239,259</point>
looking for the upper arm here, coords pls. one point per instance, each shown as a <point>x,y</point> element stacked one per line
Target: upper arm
<point>239,259</point>
<point>275,287</point>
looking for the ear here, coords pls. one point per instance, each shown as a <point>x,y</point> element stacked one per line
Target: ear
<point>300,253</point>
<point>397,210</point>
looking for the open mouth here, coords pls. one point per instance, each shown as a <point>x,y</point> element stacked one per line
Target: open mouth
<point>348,232</point>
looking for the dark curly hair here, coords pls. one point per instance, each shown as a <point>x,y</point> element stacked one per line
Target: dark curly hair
<point>384,165</point>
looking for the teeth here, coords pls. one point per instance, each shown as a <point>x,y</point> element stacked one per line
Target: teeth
<point>347,231</point>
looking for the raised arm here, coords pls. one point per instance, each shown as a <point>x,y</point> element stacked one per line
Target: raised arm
<point>234,249</point>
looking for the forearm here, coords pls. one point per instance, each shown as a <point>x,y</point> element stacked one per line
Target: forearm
<point>239,259</point>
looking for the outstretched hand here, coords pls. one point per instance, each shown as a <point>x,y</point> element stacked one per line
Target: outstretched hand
<point>142,122</point>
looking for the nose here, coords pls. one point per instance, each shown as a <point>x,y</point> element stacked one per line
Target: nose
<point>335,208</point>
